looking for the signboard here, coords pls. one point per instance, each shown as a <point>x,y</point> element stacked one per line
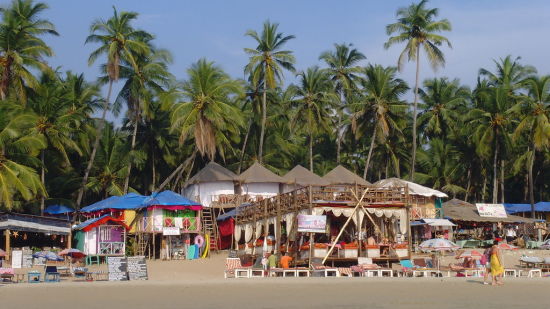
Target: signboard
<point>232,254</point>
<point>118,268</point>
<point>491,210</point>
<point>173,231</point>
<point>27,260</point>
<point>16,258</point>
<point>312,224</point>
<point>137,268</point>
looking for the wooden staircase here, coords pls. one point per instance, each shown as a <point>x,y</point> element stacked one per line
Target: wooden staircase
<point>210,227</point>
<point>143,244</point>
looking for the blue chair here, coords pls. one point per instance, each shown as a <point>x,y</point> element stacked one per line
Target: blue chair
<point>93,259</point>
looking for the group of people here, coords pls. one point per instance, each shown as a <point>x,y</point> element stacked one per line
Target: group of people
<point>271,260</point>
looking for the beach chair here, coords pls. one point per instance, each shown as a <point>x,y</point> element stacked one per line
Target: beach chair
<point>407,269</point>
<point>320,270</point>
<point>6,275</point>
<point>365,268</point>
<point>51,274</point>
<point>234,268</point>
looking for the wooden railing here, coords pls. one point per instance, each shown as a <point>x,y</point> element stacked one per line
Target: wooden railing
<point>307,197</point>
<point>233,200</point>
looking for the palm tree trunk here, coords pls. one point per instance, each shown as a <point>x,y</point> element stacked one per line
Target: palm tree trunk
<point>495,174</point>
<point>468,185</point>
<point>484,188</point>
<point>338,125</point>
<point>43,179</point>
<point>413,159</point>
<point>502,181</point>
<point>154,172</point>
<point>310,148</point>
<point>264,118</point>
<point>372,144</point>
<point>243,149</point>
<point>531,182</point>
<point>6,78</point>
<point>134,135</point>
<point>175,172</point>
<point>99,131</point>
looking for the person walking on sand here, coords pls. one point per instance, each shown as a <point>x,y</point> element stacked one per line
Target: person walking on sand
<point>497,270</point>
<point>486,262</point>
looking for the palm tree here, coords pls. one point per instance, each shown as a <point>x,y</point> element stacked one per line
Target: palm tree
<point>509,73</point>
<point>416,25</point>
<point>442,100</point>
<point>343,68</point>
<point>266,65</point>
<point>314,100</point>
<point>18,150</point>
<point>208,112</point>
<point>57,121</point>
<point>119,41</point>
<point>534,112</point>
<point>140,86</point>
<point>490,124</point>
<point>380,107</point>
<point>21,48</point>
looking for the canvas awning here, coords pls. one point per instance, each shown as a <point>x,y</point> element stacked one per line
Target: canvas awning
<point>127,201</point>
<point>458,210</point>
<point>414,188</point>
<point>517,208</point>
<point>438,222</point>
<point>58,210</point>
<point>34,224</point>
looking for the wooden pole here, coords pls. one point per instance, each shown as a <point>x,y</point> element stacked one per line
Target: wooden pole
<point>70,240</point>
<point>408,209</point>
<point>311,240</point>
<point>278,226</point>
<point>8,245</point>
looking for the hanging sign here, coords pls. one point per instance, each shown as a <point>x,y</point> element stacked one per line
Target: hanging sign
<point>312,224</point>
<point>491,210</point>
<point>171,231</point>
<point>16,258</point>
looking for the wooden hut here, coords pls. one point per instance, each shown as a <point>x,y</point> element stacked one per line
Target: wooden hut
<point>102,236</point>
<point>258,183</point>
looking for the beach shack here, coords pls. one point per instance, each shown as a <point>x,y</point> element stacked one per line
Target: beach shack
<point>167,223</point>
<point>258,183</point>
<point>101,236</point>
<point>425,202</point>
<point>344,177</point>
<point>300,177</point>
<point>213,186</point>
<point>22,232</point>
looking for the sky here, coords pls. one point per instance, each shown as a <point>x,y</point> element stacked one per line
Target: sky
<point>482,31</point>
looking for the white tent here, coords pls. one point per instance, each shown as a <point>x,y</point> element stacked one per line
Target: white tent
<point>414,188</point>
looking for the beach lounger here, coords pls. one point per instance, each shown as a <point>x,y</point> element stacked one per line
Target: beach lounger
<point>407,269</point>
<point>6,275</point>
<point>324,271</point>
<point>257,273</point>
<point>276,272</point>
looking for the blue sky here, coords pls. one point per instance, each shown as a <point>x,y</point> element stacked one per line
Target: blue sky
<point>482,31</point>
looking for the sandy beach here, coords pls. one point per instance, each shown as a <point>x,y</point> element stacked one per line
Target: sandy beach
<point>200,284</point>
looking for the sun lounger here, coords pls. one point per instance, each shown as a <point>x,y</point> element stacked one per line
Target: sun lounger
<point>7,274</point>
<point>324,271</point>
<point>234,268</point>
<point>257,273</point>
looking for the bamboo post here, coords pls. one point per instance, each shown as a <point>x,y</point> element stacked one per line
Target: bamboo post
<point>278,226</point>
<point>69,240</point>
<point>311,240</point>
<point>408,209</point>
<point>8,245</point>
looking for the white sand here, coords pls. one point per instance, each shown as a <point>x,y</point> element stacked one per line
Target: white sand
<point>200,284</point>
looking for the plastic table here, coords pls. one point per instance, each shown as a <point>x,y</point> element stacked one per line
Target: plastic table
<point>34,276</point>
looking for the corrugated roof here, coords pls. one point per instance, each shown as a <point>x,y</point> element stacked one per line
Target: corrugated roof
<point>258,173</point>
<point>459,210</point>
<point>342,176</point>
<point>301,176</point>
<point>212,172</point>
<point>414,188</point>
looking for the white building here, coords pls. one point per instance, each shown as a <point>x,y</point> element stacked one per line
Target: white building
<point>257,182</point>
<point>210,184</point>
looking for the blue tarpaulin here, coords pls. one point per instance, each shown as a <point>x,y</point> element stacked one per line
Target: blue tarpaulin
<point>58,210</point>
<point>128,201</point>
<point>516,208</point>
<point>168,198</point>
<point>232,213</point>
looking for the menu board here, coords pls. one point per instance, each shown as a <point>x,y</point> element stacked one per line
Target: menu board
<point>137,268</point>
<point>118,268</point>
<point>16,258</point>
<point>232,254</point>
<point>27,260</point>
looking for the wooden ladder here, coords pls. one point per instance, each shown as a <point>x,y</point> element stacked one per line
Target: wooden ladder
<point>209,226</point>
<point>143,243</point>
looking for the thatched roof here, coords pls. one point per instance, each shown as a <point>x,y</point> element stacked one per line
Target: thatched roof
<point>258,173</point>
<point>301,176</point>
<point>414,188</point>
<point>342,176</point>
<point>459,210</point>
<point>212,172</point>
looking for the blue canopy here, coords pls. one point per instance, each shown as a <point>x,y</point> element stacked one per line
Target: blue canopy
<point>515,208</point>
<point>232,213</point>
<point>58,210</point>
<point>168,198</point>
<point>128,201</point>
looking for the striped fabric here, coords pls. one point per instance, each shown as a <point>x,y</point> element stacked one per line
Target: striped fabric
<point>232,263</point>
<point>345,271</point>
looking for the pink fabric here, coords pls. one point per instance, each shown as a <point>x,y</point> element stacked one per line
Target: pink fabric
<point>176,207</point>
<point>427,232</point>
<point>8,271</point>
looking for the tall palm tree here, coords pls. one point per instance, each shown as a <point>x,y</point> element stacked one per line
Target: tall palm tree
<point>509,73</point>
<point>314,100</point>
<point>534,112</point>
<point>380,107</point>
<point>118,41</point>
<point>208,112</point>
<point>19,147</point>
<point>491,127</point>
<point>417,27</point>
<point>442,99</point>
<point>142,83</point>
<point>21,46</point>
<point>266,65</point>
<point>343,68</point>
<point>57,121</point>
